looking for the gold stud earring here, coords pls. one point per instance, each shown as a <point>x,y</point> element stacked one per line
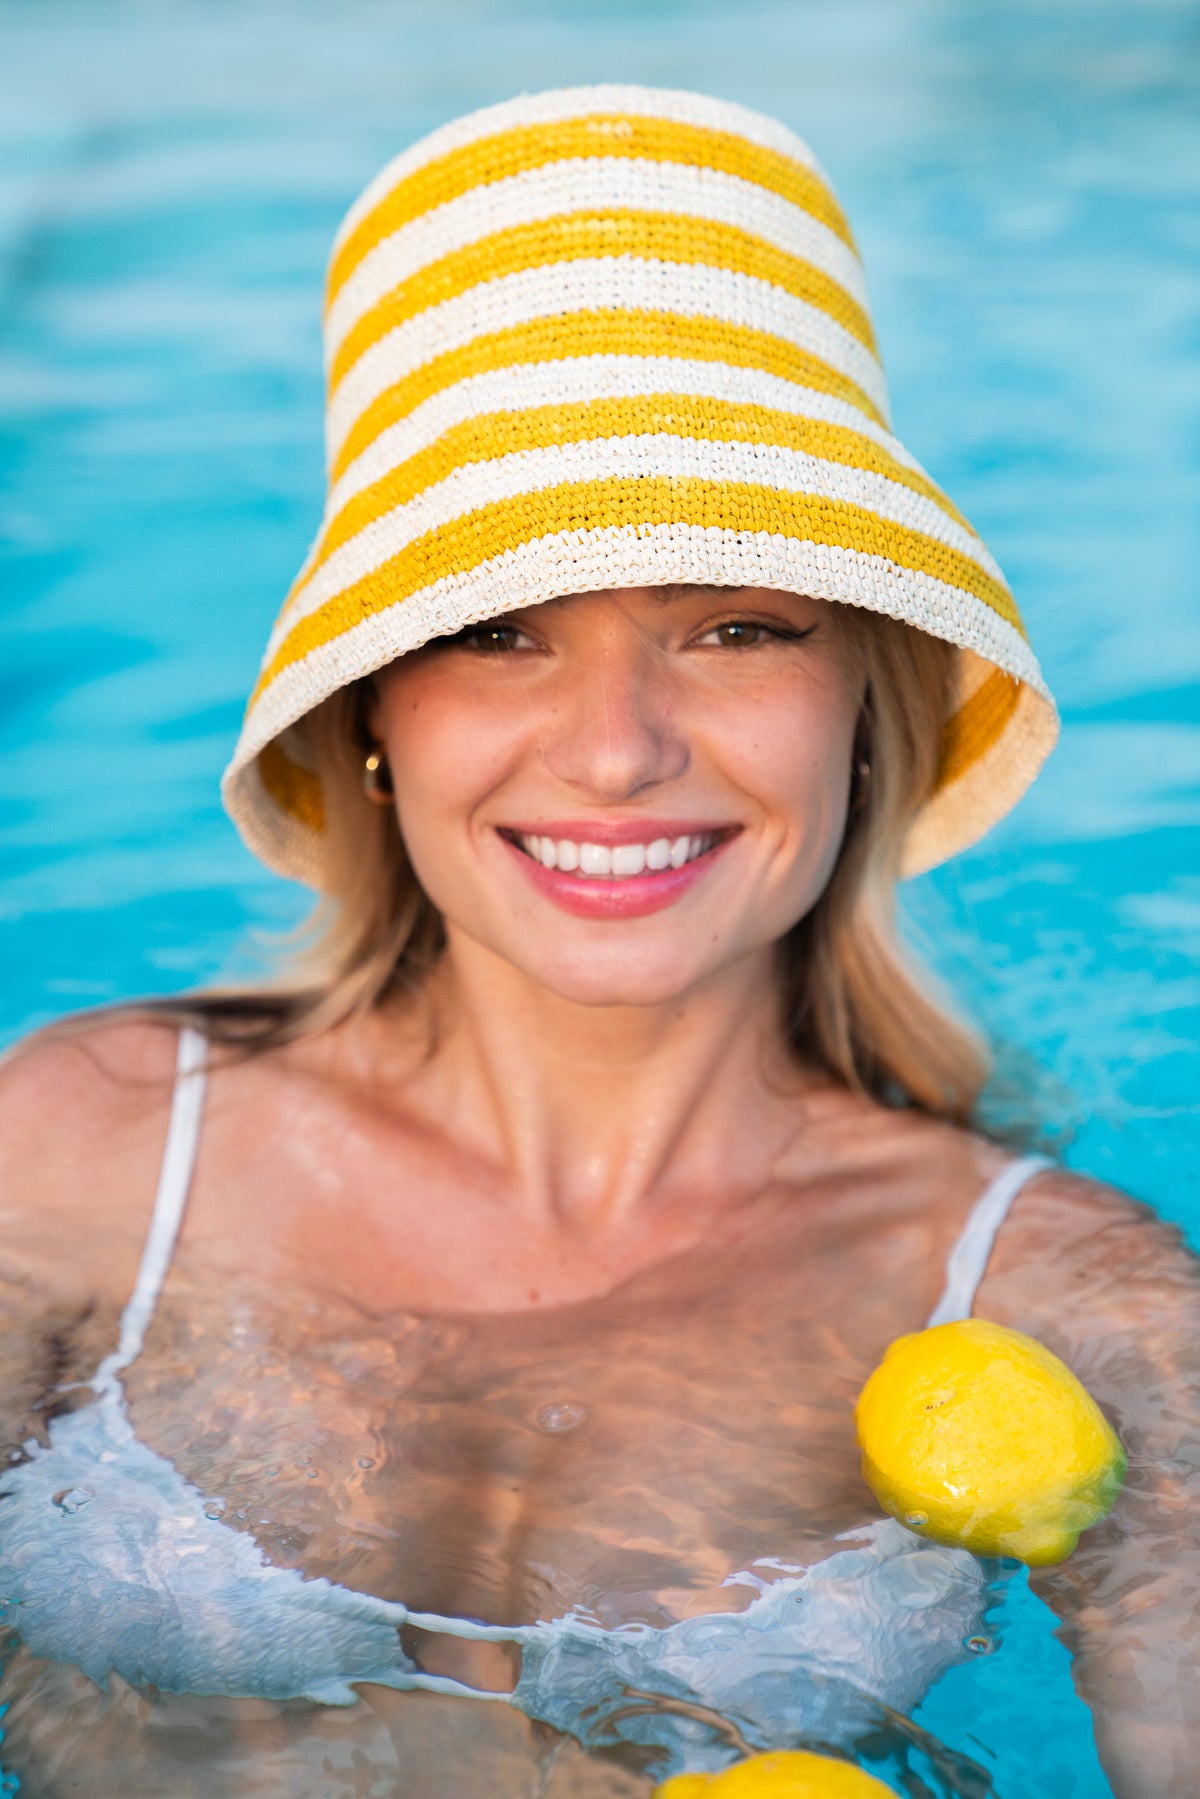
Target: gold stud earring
<point>377,779</point>
<point>860,784</point>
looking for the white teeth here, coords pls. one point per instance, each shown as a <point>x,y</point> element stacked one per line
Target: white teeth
<point>628,859</point>
<point>623,862</point>
<point>594,859</point>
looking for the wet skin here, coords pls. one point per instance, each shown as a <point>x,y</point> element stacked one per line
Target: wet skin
<point>604,1197</point>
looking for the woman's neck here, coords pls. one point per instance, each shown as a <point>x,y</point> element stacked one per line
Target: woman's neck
<point>598,1112</point>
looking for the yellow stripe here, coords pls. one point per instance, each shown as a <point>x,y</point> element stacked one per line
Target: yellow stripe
<point>296,789</point>
<point>601,333</point>
<point>508,153</point>
<point>668,237</point>
<point>488,436</point>
<point>478,536</point>
<point>979,723</point>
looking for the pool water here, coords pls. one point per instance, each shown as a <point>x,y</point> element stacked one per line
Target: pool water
<point>1023,182</point>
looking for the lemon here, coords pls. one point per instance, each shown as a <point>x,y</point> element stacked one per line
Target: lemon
<point>781,1774</point>
<point>977,1436</point>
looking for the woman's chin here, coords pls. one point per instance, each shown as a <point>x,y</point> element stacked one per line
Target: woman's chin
<point>623,974</point>
<point>600,993</point>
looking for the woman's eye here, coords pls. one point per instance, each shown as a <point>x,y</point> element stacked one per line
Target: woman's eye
<point>493,639</point>
<point>737,634</point>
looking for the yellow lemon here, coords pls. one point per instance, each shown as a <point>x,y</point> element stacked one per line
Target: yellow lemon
<point>977,1436</point>
<point>781,1774</point>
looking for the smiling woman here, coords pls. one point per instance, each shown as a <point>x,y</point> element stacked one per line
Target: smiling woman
<point>785,680</point>
<point>472,1409</point>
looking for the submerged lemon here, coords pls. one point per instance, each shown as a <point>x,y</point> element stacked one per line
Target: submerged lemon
<point>781,1774</point>
<point>977,1436</point>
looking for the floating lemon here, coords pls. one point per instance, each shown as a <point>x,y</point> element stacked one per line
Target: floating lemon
<point>977,1436</point>
<point>782,1774</point>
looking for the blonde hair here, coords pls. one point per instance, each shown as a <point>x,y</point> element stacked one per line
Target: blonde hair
<point>853,1001</point>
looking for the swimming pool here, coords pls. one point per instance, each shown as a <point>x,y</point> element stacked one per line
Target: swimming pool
<point>1023,182</point>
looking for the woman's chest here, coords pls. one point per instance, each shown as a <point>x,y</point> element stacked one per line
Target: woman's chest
<point>626,1458</point>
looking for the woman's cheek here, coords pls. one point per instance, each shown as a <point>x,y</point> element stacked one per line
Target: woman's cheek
<point>795,760</point>
<point>436,742</point>
<point>811,809</point>
<point>444,768</point>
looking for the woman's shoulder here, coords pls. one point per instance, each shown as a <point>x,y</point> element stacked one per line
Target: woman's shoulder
<point>1098,1275</point>
<point>1067,1227</point>
<point>105,1073</point>
<point>1063,1229</point>
<point>898,1155</point>
<point>1095,1273</point>
<point>83,1115</point>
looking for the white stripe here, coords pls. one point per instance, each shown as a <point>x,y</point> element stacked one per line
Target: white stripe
<point>581,379</point>
<point>604,284</point>
<point>642,456</point>
<point>627,556</point>
<point>559,104</point>
<point>580,184</point>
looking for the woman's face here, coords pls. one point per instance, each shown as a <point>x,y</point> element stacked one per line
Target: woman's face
<point>624,793</point>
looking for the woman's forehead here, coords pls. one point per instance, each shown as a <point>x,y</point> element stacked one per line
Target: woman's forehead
<point>674,592</point>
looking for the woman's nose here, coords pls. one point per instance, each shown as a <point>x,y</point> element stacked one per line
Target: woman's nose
<point>614,729</point>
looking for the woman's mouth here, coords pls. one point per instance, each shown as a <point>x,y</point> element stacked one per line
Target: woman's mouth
<point>621,880</point>
<point>617,861</point>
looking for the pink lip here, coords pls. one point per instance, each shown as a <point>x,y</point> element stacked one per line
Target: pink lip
<point>629,830</point>
<point>632,898</point>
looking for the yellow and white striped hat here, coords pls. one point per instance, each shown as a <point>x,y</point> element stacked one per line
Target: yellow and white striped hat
<point>615,337</point>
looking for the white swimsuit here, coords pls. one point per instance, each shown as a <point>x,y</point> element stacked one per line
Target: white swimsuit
<point>108,1561</point>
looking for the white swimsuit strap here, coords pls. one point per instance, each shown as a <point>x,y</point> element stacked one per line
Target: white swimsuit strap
<point>174,1179</point>
<point>968,1260</point>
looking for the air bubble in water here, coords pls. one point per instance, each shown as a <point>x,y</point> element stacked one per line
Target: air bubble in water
<point>213,1509</point>
<point>915,1520</point>
<point>980,1645</point>
<point>561,1415</point>
<point>73,1499</point>
<point>366,1461</point>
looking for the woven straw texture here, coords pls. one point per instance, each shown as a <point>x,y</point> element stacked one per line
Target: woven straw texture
<point>615,337</point>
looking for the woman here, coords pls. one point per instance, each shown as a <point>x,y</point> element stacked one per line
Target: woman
<point>480,1422</point>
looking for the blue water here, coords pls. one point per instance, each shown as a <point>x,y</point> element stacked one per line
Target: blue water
<point>1023,181</point>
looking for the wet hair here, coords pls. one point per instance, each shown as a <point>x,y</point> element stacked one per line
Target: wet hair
<point>854,1002</point>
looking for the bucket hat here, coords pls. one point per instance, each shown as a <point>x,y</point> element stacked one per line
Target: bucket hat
<point>610,337</point>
